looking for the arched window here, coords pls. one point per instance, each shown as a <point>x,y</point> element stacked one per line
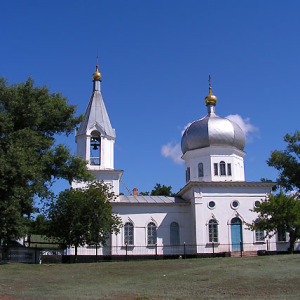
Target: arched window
<point>128,234</point>
<point>213,231</point>
<point>95,146</point>
<point>151,234</point>
<point>174,233</point>
<point>200,170</point>
<point>222,168</point>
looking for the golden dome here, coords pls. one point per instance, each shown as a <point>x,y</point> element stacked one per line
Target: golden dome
<point>97,74</point>
<point>211,98</point>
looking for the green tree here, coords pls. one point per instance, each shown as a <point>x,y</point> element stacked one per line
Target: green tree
<point>39,225</point>
<point>160,190</point>
<point>83,216</point>
<point>279,212</point>
<point>30,161</point>
<point>287,162</point>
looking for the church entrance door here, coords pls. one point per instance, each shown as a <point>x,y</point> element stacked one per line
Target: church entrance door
<point>236,234</point>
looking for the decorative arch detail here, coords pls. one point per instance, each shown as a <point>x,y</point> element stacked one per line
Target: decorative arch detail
<point>235,215</point>
<point>213,217</point>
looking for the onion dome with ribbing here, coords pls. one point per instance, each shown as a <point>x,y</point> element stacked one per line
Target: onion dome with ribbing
<point>212,130</point>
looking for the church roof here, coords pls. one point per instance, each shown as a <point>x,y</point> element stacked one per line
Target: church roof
<point>96,115</point>
<point>140,199</point>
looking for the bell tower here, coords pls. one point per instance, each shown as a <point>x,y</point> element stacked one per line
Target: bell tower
<point>95,139</point>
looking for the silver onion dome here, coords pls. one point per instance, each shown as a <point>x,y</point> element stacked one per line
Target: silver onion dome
<point>212,130</point>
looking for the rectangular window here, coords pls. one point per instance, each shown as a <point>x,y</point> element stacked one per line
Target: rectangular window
<point>188,174</point>
<point>200,170</point>
<point>281,234</point>
<point>216,169</point>
<point>229,169</point>
<point>259,235</point>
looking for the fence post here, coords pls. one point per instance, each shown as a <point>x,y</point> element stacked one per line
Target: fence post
<point>156,250</point>
<point>35,254</point>
<point>96,252</point>
<point>213,245</point>
<point>241,247</point>
<point>184,250</point>
<point>126,247</point>
<point>268,246</point>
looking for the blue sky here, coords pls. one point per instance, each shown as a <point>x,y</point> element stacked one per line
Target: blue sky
<point>155,58</point>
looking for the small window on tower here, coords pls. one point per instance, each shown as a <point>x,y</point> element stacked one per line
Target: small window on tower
<point>229,169</point>
<point>222,168</point>
<point>95,148</point>
<point>200,170</point>
<point>188,174</point>
<point>216,169</point>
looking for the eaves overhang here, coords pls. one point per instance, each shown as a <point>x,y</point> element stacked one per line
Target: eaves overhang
<point>224,184</point>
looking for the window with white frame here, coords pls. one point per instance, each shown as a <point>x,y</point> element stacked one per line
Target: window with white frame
<point>216,169</point>
<point>151,234</point>
<point>128,234</point>
<point>174,234</point>
<point>259,235</point>
<point>200,170</point>
<point>188,174</point>
<point>222,168</point>
<point>229,170</point>
<point>281,234</point>
<point>213,231</point>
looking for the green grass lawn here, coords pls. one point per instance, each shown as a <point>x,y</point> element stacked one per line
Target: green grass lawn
<point>269,277</point>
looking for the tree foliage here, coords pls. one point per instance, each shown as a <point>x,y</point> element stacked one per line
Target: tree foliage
<point>30,161</point>
<point>160,190</point>
<point>287,162</point>
<point>279,212</point>
<point>83,216</point>
<point>38,226</point>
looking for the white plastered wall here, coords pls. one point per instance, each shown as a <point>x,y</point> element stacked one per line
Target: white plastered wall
<point>162,215</point>
<point>223,213</point>
<point>210,155</point>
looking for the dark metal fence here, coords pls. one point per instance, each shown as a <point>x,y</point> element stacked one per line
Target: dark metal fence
<point>129,252</point>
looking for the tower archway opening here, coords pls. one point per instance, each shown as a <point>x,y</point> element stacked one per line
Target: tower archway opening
<point>95,148</point>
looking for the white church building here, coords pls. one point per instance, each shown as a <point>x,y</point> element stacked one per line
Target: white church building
<point>208,215</point>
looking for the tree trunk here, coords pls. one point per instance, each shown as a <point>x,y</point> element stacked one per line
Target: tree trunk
<point>292,243</point>
<point>75,260</point>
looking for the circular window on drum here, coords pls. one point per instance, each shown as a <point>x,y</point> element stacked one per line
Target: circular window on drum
<point>257,203</point>
<point>211,204</point>
<point>235,204</point>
